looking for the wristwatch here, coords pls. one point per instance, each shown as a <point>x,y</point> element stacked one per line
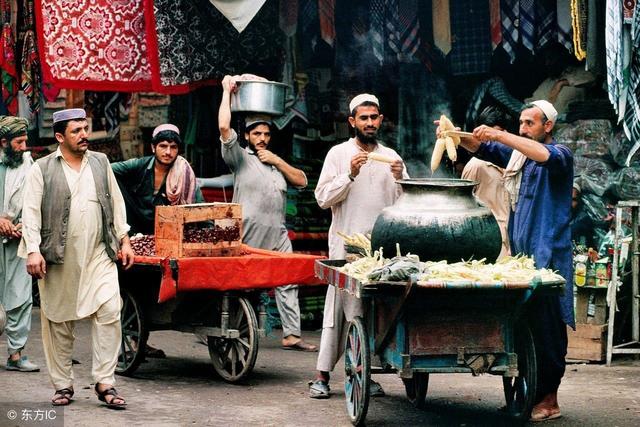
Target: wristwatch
<point>351,177</point>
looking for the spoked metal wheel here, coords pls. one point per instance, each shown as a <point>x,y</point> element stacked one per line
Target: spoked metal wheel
<point>357,371</point>
<point>416,388</point>
<point>234,358</point>
<point>520,391</point>
<point>134,334</point>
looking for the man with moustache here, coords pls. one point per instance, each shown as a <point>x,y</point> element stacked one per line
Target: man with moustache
<point>260,180</point>
<point>74,225</point>
<point>15,282</point>
<point>165,178</point>
<point>356,190</point>
<point>539,179</point>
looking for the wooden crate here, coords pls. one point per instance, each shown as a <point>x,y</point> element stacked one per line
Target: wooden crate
<point>171,220</point>
<point>587,342</point>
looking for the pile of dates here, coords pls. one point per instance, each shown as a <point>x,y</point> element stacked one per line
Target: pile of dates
<point>143,245</point>
<point>214,234</point>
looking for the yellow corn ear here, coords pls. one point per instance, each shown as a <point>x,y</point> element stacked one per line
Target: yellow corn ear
<point>436,157</point>
<point>380,158</point>
<point>451,149</point>
<point>448,125</point>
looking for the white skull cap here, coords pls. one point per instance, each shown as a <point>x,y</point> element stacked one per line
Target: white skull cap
<point>363,97</point>
<point>163,127</point>
<point>547,108</point>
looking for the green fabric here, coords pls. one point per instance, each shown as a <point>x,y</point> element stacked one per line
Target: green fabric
<point>135,178</point>
<point>11,127</point>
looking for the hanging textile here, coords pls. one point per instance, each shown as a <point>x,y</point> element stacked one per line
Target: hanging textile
<point>288,17</point>
<point>596,13</point>
<point>546,21</point>
<point>563,19</point>
<point>632,113</point>
<point>9,75</point>
<point>496,23</point>
<point>71,33</point>
<point>192,44</point>
<point>359,23</point>
<point>613,41</point>
<point>579,25</point>
<point>510,14</point>
<point>309,31</point>
<point>528,24</point>
<point>30,80</point>
<point>471,49</point>
<point>495,88</point>
<point>441,19</point>
<point>392,24</point>
<point>377,29</point>
<point>410,35</point>
<point>238,12</point>
<point>326,13</point>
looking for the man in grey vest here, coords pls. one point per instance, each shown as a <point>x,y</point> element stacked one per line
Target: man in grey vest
<point>15,283</point>
<point>74,224</point>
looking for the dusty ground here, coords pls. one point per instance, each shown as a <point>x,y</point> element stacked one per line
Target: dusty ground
<point>183,390</point>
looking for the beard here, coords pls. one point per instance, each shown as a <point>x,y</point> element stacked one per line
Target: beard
<point>12,158</point>
<point>366,139</point>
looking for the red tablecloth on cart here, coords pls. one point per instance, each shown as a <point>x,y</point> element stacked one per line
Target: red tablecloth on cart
<point>257,269</point>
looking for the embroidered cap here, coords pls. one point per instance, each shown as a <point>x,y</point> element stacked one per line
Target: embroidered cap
<point>362,98</point>
<point>69,114</point>
<point>547,108</point>
<point>166,126</point>
<point>257,118</point>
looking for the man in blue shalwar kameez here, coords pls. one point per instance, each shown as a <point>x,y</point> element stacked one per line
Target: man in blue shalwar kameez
<point>539,177</point>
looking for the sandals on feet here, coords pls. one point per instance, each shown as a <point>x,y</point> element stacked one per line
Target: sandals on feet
<point>62,397</point>
<point>111,403</point>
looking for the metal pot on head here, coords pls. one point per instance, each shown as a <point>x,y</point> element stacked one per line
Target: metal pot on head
<point>258,96</point>
<point>437,219</point>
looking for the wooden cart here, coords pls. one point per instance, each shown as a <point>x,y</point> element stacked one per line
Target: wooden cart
<point>214,297</point>
<point>458,327</point>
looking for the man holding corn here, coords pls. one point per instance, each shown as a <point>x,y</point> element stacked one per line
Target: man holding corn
<point>356,188</point>
<point>538,176</point>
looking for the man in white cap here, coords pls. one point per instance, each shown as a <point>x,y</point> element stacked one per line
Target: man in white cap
<point>356,189</point>
<point>164,178</point>
<point>74,225</point>
<point>260,180</point>
<point>15,283</point>
<point>539,178</point>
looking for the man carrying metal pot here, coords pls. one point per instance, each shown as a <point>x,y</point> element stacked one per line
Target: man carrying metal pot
<point>539,177</point>
<point>260,180</point>
<point>356,189</point>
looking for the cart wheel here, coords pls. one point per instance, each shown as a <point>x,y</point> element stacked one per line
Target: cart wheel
<point>520,391</point>
<point>416,388</point>
<point>234,358</point>
<point>134,335</point>
<point>357,371</point>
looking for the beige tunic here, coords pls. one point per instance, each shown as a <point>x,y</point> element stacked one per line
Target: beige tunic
<point>88,278</point>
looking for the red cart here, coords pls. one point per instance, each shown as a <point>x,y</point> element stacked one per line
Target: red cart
<point>214,297</point>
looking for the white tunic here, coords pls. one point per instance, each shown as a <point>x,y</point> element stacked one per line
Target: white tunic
<point>88,278</point>
<point>354,205</point>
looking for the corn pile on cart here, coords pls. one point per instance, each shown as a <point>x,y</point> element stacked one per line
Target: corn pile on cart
<point>213,297</point>
<point>417,329</point>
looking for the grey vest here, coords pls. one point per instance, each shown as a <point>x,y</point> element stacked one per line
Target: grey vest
<point>56,202</point>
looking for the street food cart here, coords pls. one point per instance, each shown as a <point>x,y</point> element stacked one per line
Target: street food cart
<point>416,328</point>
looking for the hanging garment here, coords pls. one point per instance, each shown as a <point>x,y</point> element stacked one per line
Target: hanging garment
<point>510,13</point>
<point>30,79</point>
<point>326,13</point>
<point>563,16</point>
<point>288,17</point>
<point>632,113</point>
<point>496,23</point>
<point>70,36</point>
<point>596,13</point>
<point>528,24</point>
<point>613,40</point>
<point>238,12</point>
<point>546,21</point>
<point>441,18</point>
<point>376,29</point>
<point>579,25</point>
<point>471,50</point>
<point>9,75</point>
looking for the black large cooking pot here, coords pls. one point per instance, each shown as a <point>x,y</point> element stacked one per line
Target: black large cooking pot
<point>438,219</point>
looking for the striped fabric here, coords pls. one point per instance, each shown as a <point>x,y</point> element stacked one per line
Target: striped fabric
<point>410,25</point>
<point>326,13</point>
<point>632,113</point>
<point>496,23</point>
<point>528,24</point>
<point>613,41</point>
<point>563,16</point>
<point>376,29</point>
<point>546,20</point>
<point>510,13</point>
<point>392,24</point>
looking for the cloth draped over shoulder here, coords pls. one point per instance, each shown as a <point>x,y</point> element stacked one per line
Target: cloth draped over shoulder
<point>181,183</point>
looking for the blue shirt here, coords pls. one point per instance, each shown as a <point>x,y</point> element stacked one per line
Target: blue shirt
<point>540,226</point>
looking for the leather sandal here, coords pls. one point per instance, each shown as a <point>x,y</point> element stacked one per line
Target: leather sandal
<point>62,397</point>
<point>301,346</point>
<point>111,391</point>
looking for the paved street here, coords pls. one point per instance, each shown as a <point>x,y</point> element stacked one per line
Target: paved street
<point>183,390</point>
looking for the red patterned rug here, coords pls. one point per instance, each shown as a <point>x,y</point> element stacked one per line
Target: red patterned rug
<point>94,45</point>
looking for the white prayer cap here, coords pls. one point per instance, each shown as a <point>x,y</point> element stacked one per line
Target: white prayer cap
<point>69,114</point>
<point>255,119</point>
<point>547,108</point>
<point>362,98</point>
<point>166,126</point>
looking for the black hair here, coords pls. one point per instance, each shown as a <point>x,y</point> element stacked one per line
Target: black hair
<point>495,116</point>
<point>365,104</point>
<point>248,129</point>
<point>61,127</point>
<point>166,135</point>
